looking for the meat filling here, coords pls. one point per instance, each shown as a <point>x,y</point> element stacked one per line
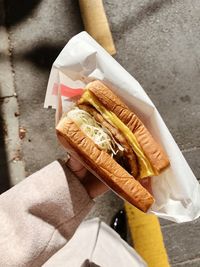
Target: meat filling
<point>128,152</point>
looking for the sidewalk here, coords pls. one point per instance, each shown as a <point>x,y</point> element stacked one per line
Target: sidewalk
<point>158,42</point>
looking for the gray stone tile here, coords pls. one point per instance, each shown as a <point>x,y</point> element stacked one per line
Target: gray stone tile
<point>48,23</point>
<point>182,241</point>
<point>158,52</point>
<point>6,74</point>
<point>164,222</point>
<point>190,263</point>
<point>36,43</point>
<point>9,109</point>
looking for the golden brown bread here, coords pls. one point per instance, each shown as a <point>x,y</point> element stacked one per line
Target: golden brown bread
<point>116,177</point>
<point>150,147</point>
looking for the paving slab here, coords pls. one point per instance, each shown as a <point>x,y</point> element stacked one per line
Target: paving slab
<point>4,173</point>
<point>182,241</point>
<point>36,41</point>
<point>159,40</point>
<point>191,263</point>
<point>11,164</point>
<point>6,73</point>
<point>9,112</point>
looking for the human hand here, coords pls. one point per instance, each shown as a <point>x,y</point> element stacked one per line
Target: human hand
<point>146,183</point>
<point>93,185</point>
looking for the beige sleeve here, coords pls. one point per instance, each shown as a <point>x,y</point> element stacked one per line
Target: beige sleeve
<point>39,215</point>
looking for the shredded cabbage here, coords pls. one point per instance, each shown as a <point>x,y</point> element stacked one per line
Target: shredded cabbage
<point>101,136</point>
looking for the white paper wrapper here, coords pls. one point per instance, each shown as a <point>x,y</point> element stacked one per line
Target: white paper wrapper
<point>176,190</point>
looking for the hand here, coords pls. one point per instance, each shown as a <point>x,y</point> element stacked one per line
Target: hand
<point>93,185</point>
<point>146,183</point>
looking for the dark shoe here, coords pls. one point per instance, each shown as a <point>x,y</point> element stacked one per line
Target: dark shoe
<point>119,224</point>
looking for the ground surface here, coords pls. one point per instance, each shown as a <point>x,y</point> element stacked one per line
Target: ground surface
<point>158,42</point>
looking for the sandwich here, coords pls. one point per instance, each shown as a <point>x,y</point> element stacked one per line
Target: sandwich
<point>113,143</point>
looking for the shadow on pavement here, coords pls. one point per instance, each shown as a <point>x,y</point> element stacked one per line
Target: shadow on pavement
<point>17,11</point>
<point>146,11</point>
<point>43,55</point>
<point>4,173</point>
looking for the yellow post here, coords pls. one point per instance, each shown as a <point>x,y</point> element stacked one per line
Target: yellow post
<point>96,23</point>
<point>147,237</point>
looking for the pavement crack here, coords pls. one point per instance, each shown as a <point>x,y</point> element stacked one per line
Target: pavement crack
<point>10,50</point>
<point>8,96</point>
<point>9,107</point>
<point>195,148</point>
<point>183,263</point>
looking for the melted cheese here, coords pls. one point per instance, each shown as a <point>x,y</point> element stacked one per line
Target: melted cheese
<point>145,166</point>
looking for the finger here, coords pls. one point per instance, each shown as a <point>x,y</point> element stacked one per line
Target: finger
<point>77,168</point>
<point>94,186</point>
<point>146,183</point>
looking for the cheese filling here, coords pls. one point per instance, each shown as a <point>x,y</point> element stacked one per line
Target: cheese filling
<point>145,166</point>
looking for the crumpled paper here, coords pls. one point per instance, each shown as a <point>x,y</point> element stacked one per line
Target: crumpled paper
<point>176,190</point>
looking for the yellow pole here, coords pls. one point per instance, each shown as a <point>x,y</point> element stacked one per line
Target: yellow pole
<point>147,237</point>
<point>96,23</point>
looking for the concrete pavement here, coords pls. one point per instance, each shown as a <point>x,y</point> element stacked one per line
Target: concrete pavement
<point>157,42</point>
<point>11,164</point>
